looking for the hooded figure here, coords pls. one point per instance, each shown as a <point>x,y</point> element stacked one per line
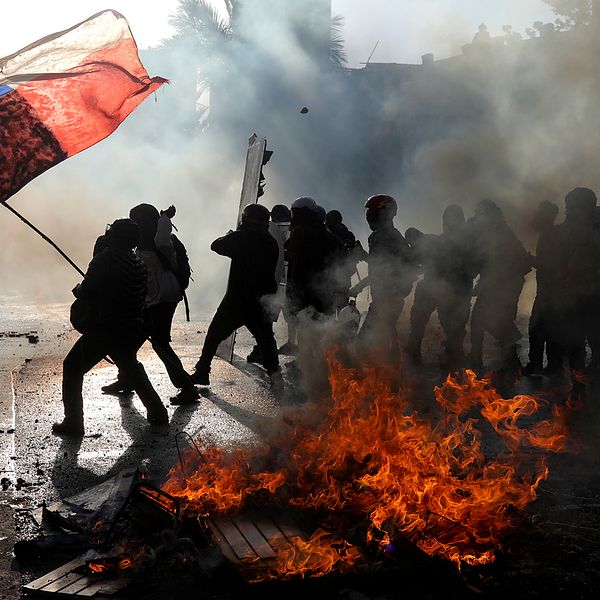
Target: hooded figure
<point>447,286</point>
<point>311,251</point>
<point>578,271</point>
<point>163,294</point>
<point>114,289</point>
<point>542,322</point>
<point>502,262</point>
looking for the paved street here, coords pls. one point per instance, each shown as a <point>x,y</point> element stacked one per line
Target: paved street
<point>237,409</point>
<point>37,466</point>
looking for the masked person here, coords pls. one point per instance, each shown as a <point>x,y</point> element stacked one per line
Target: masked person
<point>456,270</point>
<point>542,319</point>
<point>113,292</point>
<point>502,263</point>
<point>254,255</point>
<point>163,293</point>
<point>392,273</point>
<point>346,266</point>
<point>578,271</point>
<point>447,286</point>
<point>279,228</point>
<point>426,290</point>
<point>311,251</point>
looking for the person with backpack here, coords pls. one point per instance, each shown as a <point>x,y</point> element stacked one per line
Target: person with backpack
<point>168,275</point>
<point>110,302</point>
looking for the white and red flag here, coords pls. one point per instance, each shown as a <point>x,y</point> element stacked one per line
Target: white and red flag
<point>66,92</point>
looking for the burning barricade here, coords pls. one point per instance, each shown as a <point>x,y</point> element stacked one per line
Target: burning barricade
<point>359,480</point>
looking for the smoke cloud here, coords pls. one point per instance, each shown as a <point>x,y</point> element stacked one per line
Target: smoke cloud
<point>513,121</point>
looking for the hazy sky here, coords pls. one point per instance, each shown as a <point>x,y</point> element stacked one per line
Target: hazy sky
<point>405,29</point>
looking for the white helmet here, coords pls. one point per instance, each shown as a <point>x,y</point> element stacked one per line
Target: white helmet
<point>305,202</point>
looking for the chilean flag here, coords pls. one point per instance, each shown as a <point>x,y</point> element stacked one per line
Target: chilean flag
<point>65,92</point>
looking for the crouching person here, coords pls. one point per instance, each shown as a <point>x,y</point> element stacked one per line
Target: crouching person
<point>254,254</point>
<point>110,300</point>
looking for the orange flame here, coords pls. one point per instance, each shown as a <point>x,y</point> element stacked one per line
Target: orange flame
<point>372,459</point>
<point>105,565</point>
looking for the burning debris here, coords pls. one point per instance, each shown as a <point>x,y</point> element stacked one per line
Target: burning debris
<point>360,484</point>
<point>367,458</point>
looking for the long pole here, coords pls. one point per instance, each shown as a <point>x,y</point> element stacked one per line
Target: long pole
<point>43,236</point>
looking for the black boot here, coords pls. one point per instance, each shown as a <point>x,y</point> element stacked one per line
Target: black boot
<point>69,426</point>
<point>201,374</point>
<point>117,388</point>
<point>255,356</point>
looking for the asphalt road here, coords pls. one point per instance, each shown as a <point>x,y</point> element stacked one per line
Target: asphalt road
<point>238,408</point>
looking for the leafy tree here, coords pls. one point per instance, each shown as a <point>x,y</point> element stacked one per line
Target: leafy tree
<point>337,54</point>
<point>571,13</point>
<point>198,22</point>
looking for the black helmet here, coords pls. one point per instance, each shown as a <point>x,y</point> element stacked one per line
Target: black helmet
<point>123,233</point>
<point>334,217</point>
<point>256,214</point>
<point>579,204</point>
<point>281,214</point>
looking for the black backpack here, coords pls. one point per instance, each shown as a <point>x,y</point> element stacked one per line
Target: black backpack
<point>184,271</point>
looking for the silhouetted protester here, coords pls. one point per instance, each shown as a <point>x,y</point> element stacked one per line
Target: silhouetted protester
<point>455,269</point>
<point>281,217</point>
<point>482,39</point>
<point>254,255</point>
<point>111,300</point>
<point>334,221</point>
<point>543,313</point>
<point>593,332</point>
<point>391,276</point>
<point>351,253</point>
<point>447,286</point>
<point>427,290</point>
<point>502,263</point>
<point>311,250</point>
<point>578,271</point>
<point>279,228</point>
<point>164,291</point>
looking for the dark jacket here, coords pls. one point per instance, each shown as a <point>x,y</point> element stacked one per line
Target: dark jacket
<point>254,254</point>
<point>454,262</point>
<point>115,284</point>
<point>312,253</point>
<point>392,268</point>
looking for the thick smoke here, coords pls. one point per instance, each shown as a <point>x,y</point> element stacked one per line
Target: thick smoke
<point>513,121</point>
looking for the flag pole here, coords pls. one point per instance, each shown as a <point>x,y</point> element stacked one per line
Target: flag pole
<point>43,236</point>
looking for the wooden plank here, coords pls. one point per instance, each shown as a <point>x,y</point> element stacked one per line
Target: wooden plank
<point>236,540</point>
<point>106,587</point>
<point>270,531</point>
<point>62,583</point>
<point>255,538</point>
<point>49,578</point>
<point>221,542</point>
<point>78,586</point>
<point>289,531</point>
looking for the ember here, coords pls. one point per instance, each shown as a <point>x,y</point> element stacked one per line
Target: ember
<point>372,459</point>
<point>111,564</point>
